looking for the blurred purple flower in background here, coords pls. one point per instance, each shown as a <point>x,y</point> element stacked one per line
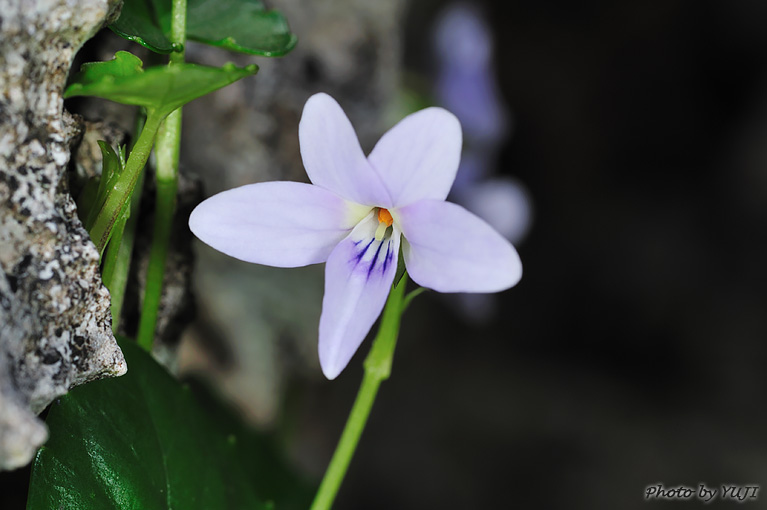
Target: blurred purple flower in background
<point>465,81</point>
<point>354,217</point>
<point>466,85</point>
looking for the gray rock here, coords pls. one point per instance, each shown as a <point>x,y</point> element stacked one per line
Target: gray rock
<point>55,323</point>
<point>248,132</point>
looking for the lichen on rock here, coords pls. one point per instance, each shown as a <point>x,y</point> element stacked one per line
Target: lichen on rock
<point>55,322</point>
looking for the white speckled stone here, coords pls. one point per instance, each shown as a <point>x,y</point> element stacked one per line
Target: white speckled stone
<point>55,323</point>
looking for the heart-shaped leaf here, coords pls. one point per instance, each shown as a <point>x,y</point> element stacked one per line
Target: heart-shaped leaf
<point>238,25</point>
<point>144,441</point>
<point>161,88</point>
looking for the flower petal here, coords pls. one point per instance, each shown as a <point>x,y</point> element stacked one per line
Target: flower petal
<point>358,277</point>
<point>332,154</point>
<point>418,158</point>
<point>282,224</point>
<point>448,249</point>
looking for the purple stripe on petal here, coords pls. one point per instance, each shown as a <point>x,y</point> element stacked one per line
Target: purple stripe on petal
<point>388,256</point>
<point>358,257</point>
<point>374,261</point>
<point>358,277</point>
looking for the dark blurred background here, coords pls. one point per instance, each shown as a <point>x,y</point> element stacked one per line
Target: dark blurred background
<point>632,351</point>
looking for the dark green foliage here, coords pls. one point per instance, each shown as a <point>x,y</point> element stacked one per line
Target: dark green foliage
<point>238,25</point>
<point>145,441</point>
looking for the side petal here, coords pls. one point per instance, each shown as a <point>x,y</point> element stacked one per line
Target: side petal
<point>282,224</point>
<point>448,249</point>
<point>358,277</point>
<point>332,154</point>
<point>418,158</point>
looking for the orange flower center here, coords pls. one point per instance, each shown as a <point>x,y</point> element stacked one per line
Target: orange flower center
<point>384,221</point>
<point>384,216</point>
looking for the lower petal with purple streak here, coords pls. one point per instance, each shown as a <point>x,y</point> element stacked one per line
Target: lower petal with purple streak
<point>358,276</point>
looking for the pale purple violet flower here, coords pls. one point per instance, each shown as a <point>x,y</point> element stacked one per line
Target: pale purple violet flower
<point>354,217</point>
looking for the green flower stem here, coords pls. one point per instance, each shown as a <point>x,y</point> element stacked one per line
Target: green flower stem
<point>167,183</point>
<point>116,279</point>
<point>167,152</point>
<point>377,369</point>
<point>178,30</point>
<point>118,196</point>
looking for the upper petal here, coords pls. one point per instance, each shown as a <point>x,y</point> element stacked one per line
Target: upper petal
<point>332,154</point>
<point>448,249</point>
<point>358,277</point>
<point>282,224</point>
<point>418,158</point>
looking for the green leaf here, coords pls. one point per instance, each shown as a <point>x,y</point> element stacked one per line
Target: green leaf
<point>111,167</point>
<point>122,154</point>
<point>161,89</point>
<point>144,441</point>
<point>400,268</point>
<point>123,65</point>
<point>272,477</point>
<point>238,25</point>
<point>138,23</point>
